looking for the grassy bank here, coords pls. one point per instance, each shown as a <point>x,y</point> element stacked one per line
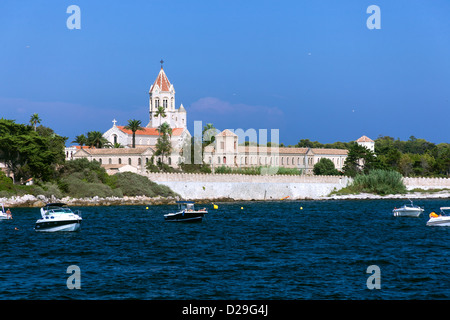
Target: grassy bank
<point>84,179</point>
<point>380,182</point>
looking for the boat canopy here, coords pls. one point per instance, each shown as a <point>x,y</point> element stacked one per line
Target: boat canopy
<point>186,202</point>
<point>56,204</point>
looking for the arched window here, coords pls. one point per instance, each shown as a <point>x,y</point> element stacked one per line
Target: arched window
<point>139,161</point>
<point>120,160</point>
<point>224,160</point>
<point>109,160</point>
<point>170,160</point>
<point>129,161</point>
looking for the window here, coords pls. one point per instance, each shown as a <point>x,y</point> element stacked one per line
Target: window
<point>222,145</point>
<point>115,139</point>
<point>165,103</point>
<point>120,161</point>
<point>109,161</point>
<point>156,103</point>
<point>224,160</point>
<point>139,161</point>
<point>170,161</point>
<point>129,161</point>
<point>218,160</point>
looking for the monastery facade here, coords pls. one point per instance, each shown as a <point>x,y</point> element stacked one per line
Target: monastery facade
<point>224,151</point>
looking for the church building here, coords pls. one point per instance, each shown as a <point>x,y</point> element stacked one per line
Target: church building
<point>224,151</point>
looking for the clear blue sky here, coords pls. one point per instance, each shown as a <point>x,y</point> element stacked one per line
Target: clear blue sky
<point>311,69</point>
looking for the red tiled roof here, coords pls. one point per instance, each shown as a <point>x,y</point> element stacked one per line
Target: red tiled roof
<point>364,139</point>
<point>150,131</point>
<point>162,81</point>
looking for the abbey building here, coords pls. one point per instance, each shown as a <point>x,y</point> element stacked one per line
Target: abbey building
<point>224,151</point>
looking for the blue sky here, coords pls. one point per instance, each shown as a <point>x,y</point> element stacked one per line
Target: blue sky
<point>311,69</point>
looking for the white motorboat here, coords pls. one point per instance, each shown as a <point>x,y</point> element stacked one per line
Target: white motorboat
<point>58,217</point>
<point>408,210</point>
<point>439,220</point>
<point>4,215</point>
<point>186,213</point>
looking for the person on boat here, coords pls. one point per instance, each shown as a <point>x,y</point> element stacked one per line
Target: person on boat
<point>433,215</point>
<point>8,214</point>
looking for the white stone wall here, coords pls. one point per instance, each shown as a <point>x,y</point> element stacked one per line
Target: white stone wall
<point>248,187</point>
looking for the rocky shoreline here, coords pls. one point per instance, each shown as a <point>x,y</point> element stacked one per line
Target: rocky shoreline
<point>31,201</point>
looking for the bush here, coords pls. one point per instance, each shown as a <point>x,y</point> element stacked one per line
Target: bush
<point>133,184</point>
<point>325,167</point>
<point>379,182</point>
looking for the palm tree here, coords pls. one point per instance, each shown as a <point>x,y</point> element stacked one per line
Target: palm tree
<point>35,120</point>
<point>81,140</point>
<point>161,113</point>
<point>134,125</point>
<point>96,139</point>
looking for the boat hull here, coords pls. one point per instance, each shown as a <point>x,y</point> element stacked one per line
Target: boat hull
<point>407,213</point>
<point>439,221</point>
<point>185,216</point>
<point>57,225</point>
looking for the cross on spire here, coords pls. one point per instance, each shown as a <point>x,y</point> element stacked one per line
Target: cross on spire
<point>114,122</point>
<point>162,61</point>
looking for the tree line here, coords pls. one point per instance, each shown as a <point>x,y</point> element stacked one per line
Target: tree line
<point>414,157</point>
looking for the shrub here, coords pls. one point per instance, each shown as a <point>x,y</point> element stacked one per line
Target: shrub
<point>378,181</point>
<point>133,184</point>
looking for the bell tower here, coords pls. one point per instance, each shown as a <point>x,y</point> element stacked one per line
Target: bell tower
<point>162,94</point>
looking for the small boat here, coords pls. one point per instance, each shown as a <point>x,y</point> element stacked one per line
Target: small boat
<point>186,213</point>
<point>58,217</point>
<point>4,215</point>
<point>407,210</point>
<point>439,220</point>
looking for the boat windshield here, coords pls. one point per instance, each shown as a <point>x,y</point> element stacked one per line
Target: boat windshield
<point>53,210</point>
<point>443,211</point>
<point>186,206</point>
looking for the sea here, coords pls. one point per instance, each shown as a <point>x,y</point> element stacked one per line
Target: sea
<point>280,250</point>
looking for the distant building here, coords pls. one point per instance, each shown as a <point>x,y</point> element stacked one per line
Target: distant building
<point>366,142</point>
<point>224,151</point>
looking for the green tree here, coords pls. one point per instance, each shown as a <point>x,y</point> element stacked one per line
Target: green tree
<point>164,143</point>
<point>96,139</point>
<point>81,140</point>
<point>134,125</point>
<point>34,120</point>
<point>160,112</point>
<point>360,160</point>
<point>325,167</point>
<point>28,153</point>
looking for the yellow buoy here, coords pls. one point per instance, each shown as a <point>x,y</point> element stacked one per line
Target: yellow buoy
<point>301,208</point>
<point>242,208</point>
<point>216,206</point>
<point>146,208</point>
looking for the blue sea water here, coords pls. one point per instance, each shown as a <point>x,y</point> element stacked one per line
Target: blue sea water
<point>267,250</point>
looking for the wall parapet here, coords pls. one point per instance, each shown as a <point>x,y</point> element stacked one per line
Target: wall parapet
<point>427,182</point>
<point>224,177</point>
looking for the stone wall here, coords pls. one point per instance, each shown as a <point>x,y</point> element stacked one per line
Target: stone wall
<point>259,187</point>
<point>426,183</point>
<point>248,187</point>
